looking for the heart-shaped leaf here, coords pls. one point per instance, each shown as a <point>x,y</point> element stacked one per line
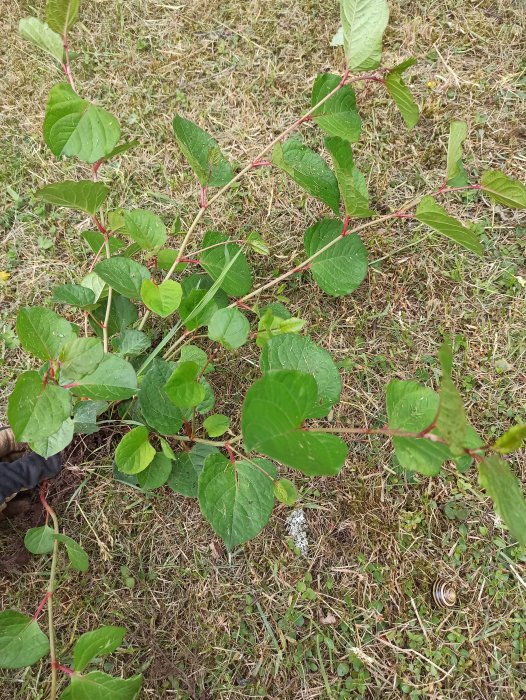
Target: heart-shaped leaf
<point>55,443</point>
<point>158,411</point>
<point>22,642</point>
<point>163,299</point>
<point>341,268</point>
<point>99,642</point>
<point>286,492</point>
<point>124,275</point>
<point>39,540</point>
<point>274,410</point>
<point>146,229</point>
<point>101,686</point>
<point>85,195</point>
<point>237,500</point>
<point>42,332</point>
<point>134,452</point>
<point>183,388</point>
<point>35,409</point>
<point>79,357</point>
<point>216,425</point>
<point>113,380</point>
<point>75,128</point>
<point>299,352</point>
<point>238,281</point>
<point>156,473</point>
<point>187,467</point>
<point>74,295</point>
<point>76,554</point>
<point>229,327</point>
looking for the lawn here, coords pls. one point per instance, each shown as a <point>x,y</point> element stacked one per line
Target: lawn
<point>354,617</point>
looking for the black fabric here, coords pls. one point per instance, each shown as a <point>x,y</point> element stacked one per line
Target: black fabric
<point>26,473</point>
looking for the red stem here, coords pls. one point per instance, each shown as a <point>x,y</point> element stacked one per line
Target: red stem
<point>42,605</point>
<point>64,669</point>
<point>231,455</point>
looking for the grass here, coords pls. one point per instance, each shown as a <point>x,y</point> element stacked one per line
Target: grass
<point>355,618</point>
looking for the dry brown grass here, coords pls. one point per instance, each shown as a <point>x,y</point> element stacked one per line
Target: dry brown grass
<point>203,625</point>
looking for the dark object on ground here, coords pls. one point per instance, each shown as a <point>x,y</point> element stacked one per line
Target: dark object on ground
<point>22,471</point>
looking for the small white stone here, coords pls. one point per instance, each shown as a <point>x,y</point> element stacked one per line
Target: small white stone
<point>297,529</point>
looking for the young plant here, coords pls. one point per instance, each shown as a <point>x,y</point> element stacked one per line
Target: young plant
<point>23,643</point>
<point>99,360</point>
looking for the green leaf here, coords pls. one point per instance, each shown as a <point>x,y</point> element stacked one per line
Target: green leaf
<point>301,353</point>
<point>309,170</point>
<point>353,187</point>
<point>455,173</point>
<point>192,353</point>
<point>85,416</point>
<point>61,15</point>
<point>436,217</point>
<point>201,299</point>
<point>276,320</point>
<point>216,425</point>
<point>36,410</point>
<point>134,452</point>
<point>166,258</point>
<point>113,380</point>
<point>74,127</point>
<point>55,443</point>
<point>79,357</point>
<point>157,409</point>
<point>183,388</point>
<point>22,642</point>
<point>163,299</point>
<point>229,327</point>
<point>285,491</point>
<point>343,266</point>
<point>412,408</point>
<point>236,500</point>
<point>238,281</point>
<point>187,467</point>
<point>78,558</point>
<point>503,189</point>
<point>42,332</point>
<point>156,474</point>
<point>272,418</point>
<point>364,23</point>
<point>451,422</point>
<point>83,195</point>
<point>257,243</point>
<point>123,313</point>
<point>512,440</point>
<point>95,283</point>
<point>124,275</point>
<point>131,342</point>
<point>74,295</point>
<point>202,153</point>
<point>504,489</point>
<point>39,540</point>
<point>401,94</point>
<point>101,686</point>
<point>145,228</point>
<point>95,644</point>
<point>167,450</point>
<point>338,116</point>
<point>41,35</point>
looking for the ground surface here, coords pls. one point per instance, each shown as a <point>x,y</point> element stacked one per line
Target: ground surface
<point>355,618</point>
